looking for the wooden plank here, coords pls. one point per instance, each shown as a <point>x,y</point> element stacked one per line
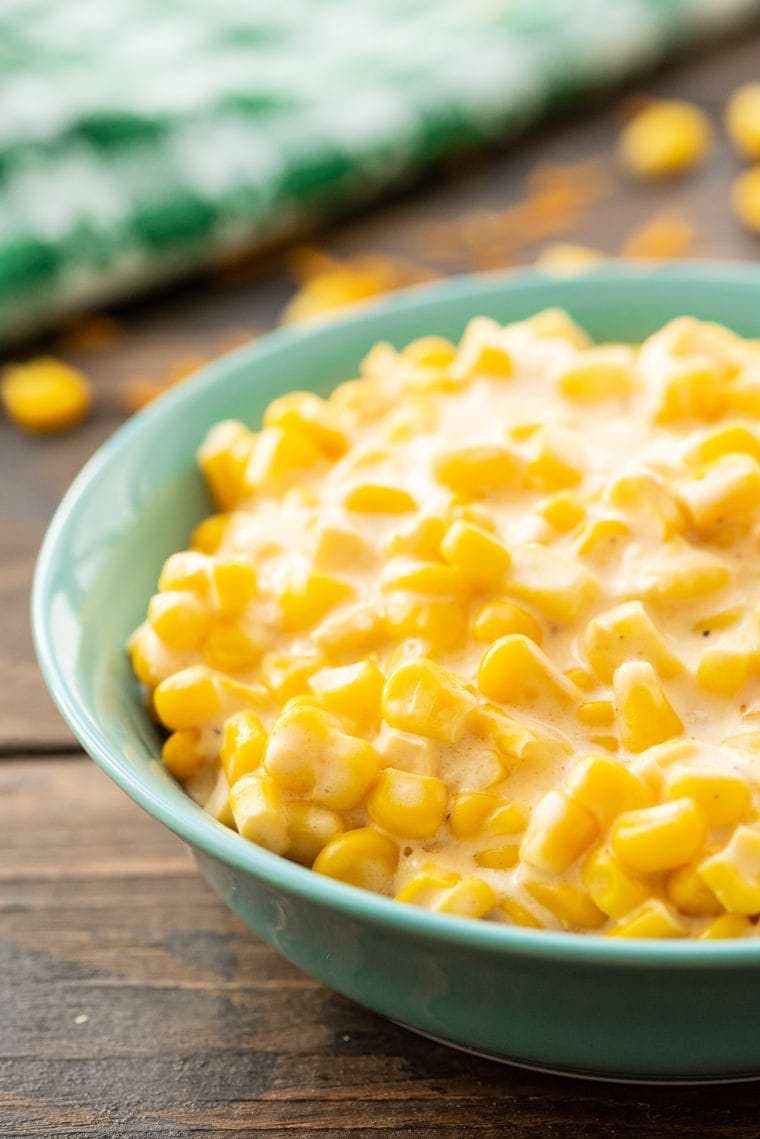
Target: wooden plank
<point>134,1004</point>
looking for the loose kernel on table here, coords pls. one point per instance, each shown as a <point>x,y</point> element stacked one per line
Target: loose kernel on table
<point>743,120</point>
<point>44,395</point>
<point>665,138</point>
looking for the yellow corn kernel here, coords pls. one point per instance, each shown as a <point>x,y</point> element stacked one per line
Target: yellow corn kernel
<point>228,648</point>
<point>482,350</point>
<point>666,137</point>
<point>223,459</point>
<point>279,457</point>
<point>338,547</point>
<point>732,440</point>
<point>659,838</point>
<point>597,713</point>
<point>559,588</point>
<point>569,903</point>
<point>563,511</point>
<point>743,120</point>
<point>605,787</point>
<point>406,804</point>
<point>243,742</point>
<point>363,858</point>
<point>186,699</point>
<point>680,572</point>
<point>308,597</point>
<point>556,460</point>
<point>726,926</point>
<point>479,557</point>
<point>646,497</point>
<point>474,472</point>
<point>310,828</point>
<point>733,874</point>
<point>470,810</point>
<point>687,891</point>
<point>499,856</point>
<point>351,631</point>
<point>45,395</point>
<point>422,697</point>
<point>514,740</point>
<point>563,259</point>
<point>430,352</point>
<point>627,633</point>
<point>258,809</point>
<point>438,620</point>
<point>644,714</point>
<point>310,756</point>
<point>610,886</point>
<point>601,536</point>
<point>186,571</point>
<point>559,831</point>
<point>599,373</point>
<point>428,578</point>
<point>555,324</point>
<point>233,583</point>
<point>217,802</point>
<point>652,920</point>
<point>693,391</point>
<point>209,534</point>
<point>727,488</point>
<point>237,695</point>
<point>582,679</point>
<point>500,618</point>
<point>421,540</point>
<point>745,198</point>
<point>511,818</point>
<point>379,498</point>
<point>470,897</point>
<point>407,753</point>
<point>353,692</point>
<point>179,618</point>
<point>516,671</point>
<point>145,653</point>
<point>307,415</point>
<point>723,671</point>
<point>426,888</point>
<point>182,755</point>
<point>287,676</point>
<point>518,915</point>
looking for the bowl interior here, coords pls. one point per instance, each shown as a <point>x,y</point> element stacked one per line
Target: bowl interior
<point>139,497</point>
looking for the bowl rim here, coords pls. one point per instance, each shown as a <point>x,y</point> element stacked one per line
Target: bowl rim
<point>201,831</point>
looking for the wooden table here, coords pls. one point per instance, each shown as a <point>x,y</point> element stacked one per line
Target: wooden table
<point>132,1002</point>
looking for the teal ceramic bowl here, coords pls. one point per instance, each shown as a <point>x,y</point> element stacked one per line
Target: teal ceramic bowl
<point>578,1004</point>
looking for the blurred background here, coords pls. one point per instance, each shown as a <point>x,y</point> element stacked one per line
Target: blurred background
<point>176,178</point>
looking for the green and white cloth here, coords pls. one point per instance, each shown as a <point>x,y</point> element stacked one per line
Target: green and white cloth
<point>140,138</point>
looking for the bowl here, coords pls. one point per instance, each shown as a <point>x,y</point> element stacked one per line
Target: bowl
<point>579,1004</point>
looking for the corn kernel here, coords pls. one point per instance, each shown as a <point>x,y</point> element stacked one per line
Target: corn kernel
<point>563,511</point>
<point>474,472</point>
<point>353,692</point>
<point>428,578</point>
<point>217,802</point>
<point>425,889</point>
<point>518,915</point>
<point>610,886</point>
<point>233,583</point>
<point>598,373</point>
<point>307,415</point>
<point>422,697</point>
<point>471,897</point>
<point>745,198</point>
<point>659,838</point>
<point>480,558</point>
<point>228,648</point>
<point>743,120</point>
<point>407,753</point>
<point>597,713</point>
<point>243,742</point>
<point>338,546</point>
<point>666,137</point>
<point>500,618</point>
<point>726,488</point>
<point>470,811</point>
<point>482,351</point>
<point>439,620</point>
<point>732,440</point>
<point>259,812</point>
<point>179,618</point>
<point>209,534</point>
<point>515,671</point>
<point>187,571</point>
<point>627,633</point>
<point>500,856</point>
<point>287,676</point>
<point>693,391</point>
<point>363,858</point>
<point>645,716</point>
<point>550,581</point>
<point>605,787</point>
<point>569,903</point>
<point>223,459</point>
<point>45,395</point>
<point>687,891</point>
<point>733,874</point>
<point>559,831</point>
<point>723,671</point>
<point>726,926</point>
<point>409,805</point>
<point>430,352</point>
<point>644,496</point>
<point>379,498</point>
<point>187,699</point>
<point>564,259</point>
<point>680,572</point>
<point>601,536</point>
<point>182,754</point>
<point>421,540</point>
<point>278,458</point>
<point>310,756</point>
<point>652,920</point>
<point>310,828</point>
<point>556,460</point>
<point>309,597</point>
<point>350,631</point>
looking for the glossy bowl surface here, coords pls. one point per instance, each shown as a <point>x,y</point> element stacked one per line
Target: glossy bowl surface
<point>578,1004</point>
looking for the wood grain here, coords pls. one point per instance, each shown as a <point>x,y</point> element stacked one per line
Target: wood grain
<point>132,1003</point>
<point>135,1004</point>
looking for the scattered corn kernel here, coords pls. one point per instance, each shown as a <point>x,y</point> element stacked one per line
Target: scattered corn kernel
<point>666,137</point>
<point>44,395</point>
